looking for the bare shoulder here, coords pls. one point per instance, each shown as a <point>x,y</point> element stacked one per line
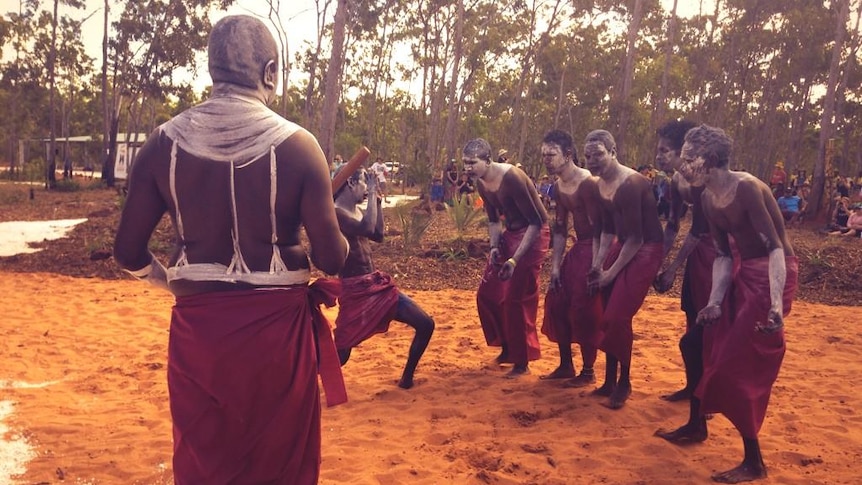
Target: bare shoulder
<point>636,183</point>
<point>750,186</point>
<point>589,187</point>
<point>301,150</point>
<point>516,175</point>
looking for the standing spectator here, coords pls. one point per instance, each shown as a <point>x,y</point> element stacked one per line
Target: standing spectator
<point>437,191</point>
<point>336,165</point>
<point>661,188</point>
<point>841,187</point>
<point>798,179</point>
<point>67,167</point>
<point>805,191</point>
<point>546,189</point>
<point>502,156</point>
<point>466,188</point>
<point>450,176</point>
<point>380,171</point>
<point>778,181</point>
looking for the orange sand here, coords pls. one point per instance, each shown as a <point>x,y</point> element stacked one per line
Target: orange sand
<point>107,419</point>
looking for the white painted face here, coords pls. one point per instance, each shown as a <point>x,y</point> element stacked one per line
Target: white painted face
<point>597,157</point>
<point>692,168</point>
<point>666,158</point>
<point>553,158</point>
<point>475,167</point>
<point>359,188</point>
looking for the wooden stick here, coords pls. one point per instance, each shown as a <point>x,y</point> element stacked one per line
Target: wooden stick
<point>351,166</point>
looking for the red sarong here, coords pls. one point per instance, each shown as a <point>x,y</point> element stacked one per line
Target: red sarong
<point>571,305</point>
<point>366,306</point>
<point>507,309</point>
<point>624,298</point>
<point>242,378</point>
<point>740,363</point>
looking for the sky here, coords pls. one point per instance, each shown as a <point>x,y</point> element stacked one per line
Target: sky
<point>299,19</point>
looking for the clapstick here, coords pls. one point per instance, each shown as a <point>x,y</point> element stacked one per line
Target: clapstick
<point>351,166</point>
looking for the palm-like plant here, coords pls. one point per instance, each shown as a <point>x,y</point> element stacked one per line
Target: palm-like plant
<point>414,223</point>
<point>463,214</point>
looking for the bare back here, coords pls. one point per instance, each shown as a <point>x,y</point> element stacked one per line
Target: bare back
<point>203,191</point>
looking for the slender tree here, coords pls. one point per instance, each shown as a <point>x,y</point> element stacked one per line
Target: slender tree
<point>826,120</point>
<point>332,91</point>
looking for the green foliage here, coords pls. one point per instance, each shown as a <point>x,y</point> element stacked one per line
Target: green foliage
<point>414,223</point>
<point>417,172</point>
<point>454,254</point>
<point>11,195</point>
<point>818,261</point>
<point>463,215</point>
<point>66,185</point>
<point>753,68</point>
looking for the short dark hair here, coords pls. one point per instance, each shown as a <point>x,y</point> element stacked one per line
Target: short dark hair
<point>478,148</point>
<point>604,137</point>
<point>240,46</point>
<point>711,143</point>
<point>564,141</point>
<point>354,177</point>
<point>674,131</point>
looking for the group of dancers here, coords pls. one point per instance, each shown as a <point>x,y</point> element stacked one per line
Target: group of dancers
<point>248,339</point>
<point>739,273</point>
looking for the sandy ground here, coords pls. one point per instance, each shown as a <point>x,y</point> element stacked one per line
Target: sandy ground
<point>82,364</point>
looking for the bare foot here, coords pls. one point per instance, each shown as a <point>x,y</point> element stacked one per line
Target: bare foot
<point>679,395</point>
<point>503,358</point>
<point>405,382</point>
<point>684,435</point>
<point>517,371</point>
<point>743,473</point>
<point>582,380</point>
<point>619,396</point>
<point>606,390</point>
<point>560,373</point>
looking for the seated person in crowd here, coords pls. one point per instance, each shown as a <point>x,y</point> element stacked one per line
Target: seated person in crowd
<point>854,222</point>
<point>791,206</point>
<point>840,214</point>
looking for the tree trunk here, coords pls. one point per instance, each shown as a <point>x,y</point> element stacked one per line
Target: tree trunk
<point>106,110</point>
<point>826,120</point>
<point>312,68</point>
<point>332,91</point>
<point>628,74</point>
<point>454,108</point>
<point>51,165</point>
<point>661,103</point>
